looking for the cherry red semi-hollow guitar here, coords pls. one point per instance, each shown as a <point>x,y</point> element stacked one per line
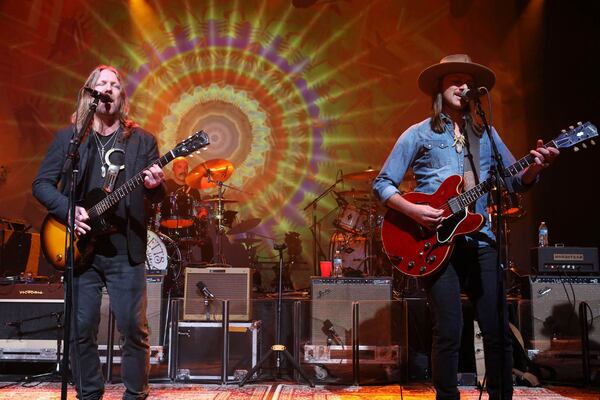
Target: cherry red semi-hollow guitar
<point>417,251</point>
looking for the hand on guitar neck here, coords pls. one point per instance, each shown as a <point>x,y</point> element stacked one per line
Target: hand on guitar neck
<point>419,229</point>
<point>153,177</point>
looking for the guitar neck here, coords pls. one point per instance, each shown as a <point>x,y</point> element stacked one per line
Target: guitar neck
<point>470,196</point>
<point>113,198</point>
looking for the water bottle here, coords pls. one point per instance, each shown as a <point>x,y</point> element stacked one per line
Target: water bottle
<point>337,264</point>
<point>543,235</point>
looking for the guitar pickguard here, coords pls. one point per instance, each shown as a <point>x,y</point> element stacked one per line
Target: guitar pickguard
<point>448,227</point>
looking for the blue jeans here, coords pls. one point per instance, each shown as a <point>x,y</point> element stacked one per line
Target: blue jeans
<point>126,285</point>
<point>474,270</point>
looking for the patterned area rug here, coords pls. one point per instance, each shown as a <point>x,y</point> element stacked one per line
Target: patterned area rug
<point>297,392</point>
<point>51,391</point>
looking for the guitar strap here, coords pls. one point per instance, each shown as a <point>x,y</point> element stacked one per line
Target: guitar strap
<point>471,171</point>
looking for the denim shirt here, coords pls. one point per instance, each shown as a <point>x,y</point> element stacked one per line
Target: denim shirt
<point>433,159</point>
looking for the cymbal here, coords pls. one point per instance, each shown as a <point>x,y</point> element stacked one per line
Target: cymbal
<point>366,175</point>
<point>248,241</point>
<point>245,226</point>
<point>216,200</point>
<point>355,194</point>
<point>207,174</point>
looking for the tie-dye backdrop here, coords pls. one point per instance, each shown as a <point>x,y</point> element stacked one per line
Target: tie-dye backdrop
<point>293,93</point>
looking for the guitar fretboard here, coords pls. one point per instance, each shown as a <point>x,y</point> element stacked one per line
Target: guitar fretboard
<point>128,187</point>
<point>470,196</point>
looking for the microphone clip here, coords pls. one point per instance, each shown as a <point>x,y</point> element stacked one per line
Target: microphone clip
<point>103,97</point>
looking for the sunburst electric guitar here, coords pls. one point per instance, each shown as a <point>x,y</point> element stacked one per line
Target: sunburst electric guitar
<point>417,251</point>
<point>97,203</point>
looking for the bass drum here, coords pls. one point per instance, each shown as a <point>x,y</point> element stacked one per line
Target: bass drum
<point>160,252</point>
<point>353,250</point>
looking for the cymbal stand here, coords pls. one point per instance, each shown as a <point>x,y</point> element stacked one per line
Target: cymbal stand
<point>370,232</point>
<point>315,227</point>
<point>219,258</point>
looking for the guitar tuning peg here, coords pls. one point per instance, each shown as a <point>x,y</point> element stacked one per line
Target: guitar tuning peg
<point>579,123</point>
<point>593,142</point>
<point>571,127</point>
<point>563,131</point>
<point>575,149</point>
<point>584,145</point>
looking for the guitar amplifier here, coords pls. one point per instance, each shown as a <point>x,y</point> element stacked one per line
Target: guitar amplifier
<point>228,283</point>
<point>31,317</point>
<point>565,260</point>
<point>332,299</point>
<point>552,314</point>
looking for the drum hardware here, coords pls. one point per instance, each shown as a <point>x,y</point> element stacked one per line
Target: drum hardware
<point>244,226</point>
<point>210,174</point>
<point>511,211</point>
<point>216,200</point>
<point>315,227</point>
<point>355,195</point>
<point>367,175</point>
<point>177,211</point>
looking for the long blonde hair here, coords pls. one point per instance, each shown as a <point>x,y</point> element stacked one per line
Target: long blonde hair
<point>84,99</point>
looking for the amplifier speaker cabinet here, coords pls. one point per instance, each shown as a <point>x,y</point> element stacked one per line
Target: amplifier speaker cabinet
<point>332,299</point>
<point>19,252</point>
<point>30,320</point>
<point>554,312</point>
<point>154,313</point>
<point>231,284</point>
<point>198,351</point>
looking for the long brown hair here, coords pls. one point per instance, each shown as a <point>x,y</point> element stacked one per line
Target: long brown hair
<point>84,99</point>
<point>437,123</point>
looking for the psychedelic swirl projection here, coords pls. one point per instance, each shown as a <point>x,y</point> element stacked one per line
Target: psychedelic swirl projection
<point>258,112</point>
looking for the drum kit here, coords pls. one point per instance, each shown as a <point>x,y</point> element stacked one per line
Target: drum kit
<point>184,222</point>
<point>356,227</point>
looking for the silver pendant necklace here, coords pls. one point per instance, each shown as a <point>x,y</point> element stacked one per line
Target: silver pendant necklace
<point>102,149</point>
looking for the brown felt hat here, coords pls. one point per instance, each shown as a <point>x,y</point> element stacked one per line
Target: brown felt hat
<point>455,63</point>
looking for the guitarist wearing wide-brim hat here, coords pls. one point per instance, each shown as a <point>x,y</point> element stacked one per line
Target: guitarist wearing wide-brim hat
<point>112,153</point>
<point>445,151</point>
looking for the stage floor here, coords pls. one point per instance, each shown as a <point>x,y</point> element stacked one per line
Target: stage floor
<point>288,391</point>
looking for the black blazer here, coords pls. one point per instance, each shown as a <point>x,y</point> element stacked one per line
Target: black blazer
<point>140,150</point>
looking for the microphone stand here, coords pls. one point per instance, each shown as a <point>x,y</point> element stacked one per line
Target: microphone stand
<point>71,165</point>
<point>498,170</point>
<point>317,250</point>
<point>278,348</point>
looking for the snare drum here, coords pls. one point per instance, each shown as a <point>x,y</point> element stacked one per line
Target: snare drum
<point>177,211</point>
<point>352,219</point>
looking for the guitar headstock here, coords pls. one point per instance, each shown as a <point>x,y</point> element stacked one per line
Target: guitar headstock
<point>195,142</point>
<point>580,134</point>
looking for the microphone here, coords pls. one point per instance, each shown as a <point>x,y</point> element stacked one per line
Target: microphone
<point>204,290</point>
<point>105,98</point>
<point>328,330</point>
<point>469,94</point>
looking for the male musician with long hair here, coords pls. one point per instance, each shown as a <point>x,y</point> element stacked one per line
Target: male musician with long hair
<point>452,142</point>
<point>112,151</point>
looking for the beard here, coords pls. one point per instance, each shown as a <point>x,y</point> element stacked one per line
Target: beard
<point>108,109</point>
